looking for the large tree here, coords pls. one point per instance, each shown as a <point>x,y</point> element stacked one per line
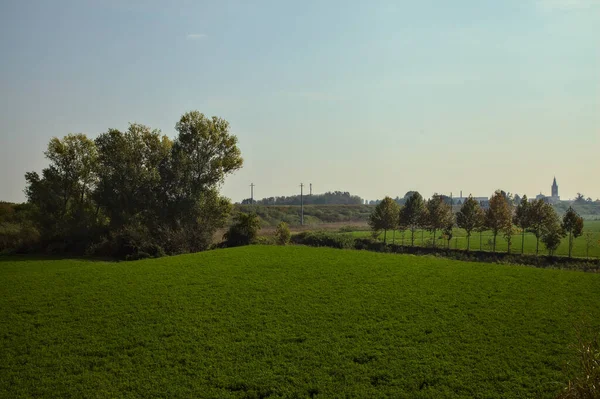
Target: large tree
<point>540,214</point>
<point>412,214</point>
<point>572,224</point>
<point>438,215</point>
<point>129,167</point>
<point>498,216</point>
<point>522,219</point>
<point>470,217</point>
<point>61,196</point>
<point>137,188</point>
<point>384,216</point>
<point>552,232</point>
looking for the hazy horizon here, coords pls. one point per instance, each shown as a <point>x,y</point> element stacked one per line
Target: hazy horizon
<point>374,99</point>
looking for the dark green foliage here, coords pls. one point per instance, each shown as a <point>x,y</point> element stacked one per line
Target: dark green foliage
<point>243,231</point>
<point>17,230</point>
<point>323,239</point>
<point>135,193</point>
<point>329,198</point>
<point>288,322</point>
<point>412,214</point>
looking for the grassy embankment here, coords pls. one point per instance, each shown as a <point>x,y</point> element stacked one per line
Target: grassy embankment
<point>266,321</point>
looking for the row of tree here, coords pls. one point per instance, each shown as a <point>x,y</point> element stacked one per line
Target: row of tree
<point>501,217</point>
<point>137,190</point>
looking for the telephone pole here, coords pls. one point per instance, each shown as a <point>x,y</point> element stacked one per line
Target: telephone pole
<point>252,193</point>
<point>301,204</point>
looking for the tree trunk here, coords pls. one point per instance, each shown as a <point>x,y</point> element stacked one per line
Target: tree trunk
<point>570,242</point>
<point>384,236</point>
<point>480,240</point>
<point>523,242</point>
<point>468,242</point>
<point>394,237</point>
<point>494,246</point>
<point>412,237</point>
<point>433,239</point>
<point>422,238</point>
<point>537,244</point>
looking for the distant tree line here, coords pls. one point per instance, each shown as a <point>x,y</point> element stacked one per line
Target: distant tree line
<point>134,193</point>
<point>502,217</point>
<point>329,198</point>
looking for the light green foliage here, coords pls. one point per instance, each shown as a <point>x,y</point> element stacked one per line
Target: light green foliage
<point>521,219</point>
<point>283,234</point>
<point>542,217</point>
<point>470,217</point>
<point>552,232</point>
<point>498,217</point>
<point>438,216</point>
<point>293,321</point>
<point>412,214</point>
<point>62,197</point>
<point>384,216</point>
<point>572,224</point>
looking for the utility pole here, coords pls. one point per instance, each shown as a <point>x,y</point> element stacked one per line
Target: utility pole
<point>301,204</point>
<point>252,193</point>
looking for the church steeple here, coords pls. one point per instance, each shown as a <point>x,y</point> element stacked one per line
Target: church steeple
<point>554,188</point>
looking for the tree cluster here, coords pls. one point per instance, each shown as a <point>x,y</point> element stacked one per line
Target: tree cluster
<point>328,198</point>
<point>501,218</point>
<point>136,192</point>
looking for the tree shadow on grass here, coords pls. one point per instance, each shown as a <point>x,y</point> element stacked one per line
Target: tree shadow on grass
<point>41,257</point>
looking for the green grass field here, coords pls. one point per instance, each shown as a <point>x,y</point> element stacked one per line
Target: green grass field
<point>266,321</point>
<point>459,241</point>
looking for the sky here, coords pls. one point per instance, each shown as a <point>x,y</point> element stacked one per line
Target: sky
<point>372,97</point>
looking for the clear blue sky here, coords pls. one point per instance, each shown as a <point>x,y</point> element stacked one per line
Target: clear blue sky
<point>376,98</point>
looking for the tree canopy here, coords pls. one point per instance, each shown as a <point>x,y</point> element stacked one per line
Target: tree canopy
<point>137,190</point>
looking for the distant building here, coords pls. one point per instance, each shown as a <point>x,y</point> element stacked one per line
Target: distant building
<point>552,199</point>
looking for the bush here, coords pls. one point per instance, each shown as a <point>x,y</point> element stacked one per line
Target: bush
<point>370,244</point>
<point>18,237</point>
<point>244,230</point>
<point>283,234</point>
<point>322,239</point>
<point>130,243</point>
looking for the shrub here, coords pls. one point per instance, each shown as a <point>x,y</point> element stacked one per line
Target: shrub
<point>243,231</point>
<point>283,234</point>
<point>322,239</point>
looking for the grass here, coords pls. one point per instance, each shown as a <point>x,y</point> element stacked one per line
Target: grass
<point>287,322</point>
<point>459,241</point>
